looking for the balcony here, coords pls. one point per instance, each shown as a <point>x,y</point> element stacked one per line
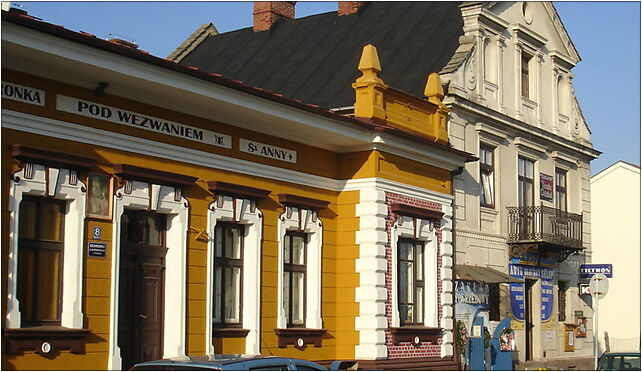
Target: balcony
<point>549,227</point>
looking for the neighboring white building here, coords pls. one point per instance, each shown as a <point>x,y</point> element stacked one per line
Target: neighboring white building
<point>524,208</point>
<point>616,240</point>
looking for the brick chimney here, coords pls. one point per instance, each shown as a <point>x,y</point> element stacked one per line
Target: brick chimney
<point>350,7</point>
<point>266,13</point>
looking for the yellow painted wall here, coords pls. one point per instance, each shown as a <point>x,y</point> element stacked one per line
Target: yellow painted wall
<point>340,251</point>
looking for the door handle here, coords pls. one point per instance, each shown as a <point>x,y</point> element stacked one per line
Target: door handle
<point>142,316</point>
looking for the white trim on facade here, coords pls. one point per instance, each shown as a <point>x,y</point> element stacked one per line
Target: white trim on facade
<point>306,221</point>
<point>371,265</point>
<point>162,200</point>
<point>36,179</point>
<point>244,212</point>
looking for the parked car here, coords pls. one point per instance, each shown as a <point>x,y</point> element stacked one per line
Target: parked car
<point>227,362</point>
<point>619,361</point>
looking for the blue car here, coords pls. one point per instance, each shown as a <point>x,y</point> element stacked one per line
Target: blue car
<point>228,362</point>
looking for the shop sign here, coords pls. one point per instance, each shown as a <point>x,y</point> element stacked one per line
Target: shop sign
<point>588,270</point>
<point>22,93</point>
<point>532,256</point>
<point>137,120</point>
<point>471,292</point>
<point>584,289</point>
<point>547,277</point>
<point>545,187</point>
<point>471,299</point>
<point>96,249</point>
<point>267,151</point>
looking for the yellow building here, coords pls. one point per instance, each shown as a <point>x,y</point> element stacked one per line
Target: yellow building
<point>154,210</point>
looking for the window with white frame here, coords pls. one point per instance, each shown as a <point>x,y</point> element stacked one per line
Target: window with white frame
<point>525,75</point>
<point>235,227</point>
<point>415,295</point>
<point>41,248</point>
<point>301,244</point>
<point>560,189</point>
<point>294,278</point>
<point>486,176</point>
<point>47,210</point>
<point>410,264</point>
<point>228,273</point>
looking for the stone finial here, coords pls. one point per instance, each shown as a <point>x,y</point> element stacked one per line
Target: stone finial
<point>434,90</point>
<point>369,65</point>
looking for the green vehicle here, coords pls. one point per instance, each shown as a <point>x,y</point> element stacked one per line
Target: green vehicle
<point>619,361</point>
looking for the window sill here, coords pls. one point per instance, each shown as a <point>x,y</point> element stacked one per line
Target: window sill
<point>299,336</point>
<point>45,340</point>
<point>415,334</point>
<point>230,332</point>
<point>488,208</point>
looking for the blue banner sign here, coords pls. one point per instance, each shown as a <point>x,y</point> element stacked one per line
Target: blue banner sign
<point>588,270</point>
<point>547,277</point>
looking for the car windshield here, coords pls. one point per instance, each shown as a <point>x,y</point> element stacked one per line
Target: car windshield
<point>619,363</point>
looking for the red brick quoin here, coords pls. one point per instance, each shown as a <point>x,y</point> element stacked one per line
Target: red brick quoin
<point>407,349</point>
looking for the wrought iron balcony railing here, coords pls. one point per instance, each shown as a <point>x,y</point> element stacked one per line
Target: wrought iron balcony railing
<point>545,225</point>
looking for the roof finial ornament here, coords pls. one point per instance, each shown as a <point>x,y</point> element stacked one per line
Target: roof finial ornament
<point>369,65</point>
<point>434,91</point>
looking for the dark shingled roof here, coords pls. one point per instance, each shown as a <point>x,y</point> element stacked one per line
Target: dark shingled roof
<point>314,59</point>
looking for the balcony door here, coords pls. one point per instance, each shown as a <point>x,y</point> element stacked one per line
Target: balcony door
<point>526,196</point>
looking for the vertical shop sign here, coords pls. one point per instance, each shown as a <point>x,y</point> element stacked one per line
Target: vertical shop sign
<point>547,277</point>
<point>546,187</point>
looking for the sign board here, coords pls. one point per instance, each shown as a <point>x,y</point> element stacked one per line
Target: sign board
<point>588,270</point>
<point>267,151</point>
<point>584,289</point>
<point>599,286</point>
<point>96,249</point>
<point>22,93</point>
<point>142,121</point>
<point>545,187</point>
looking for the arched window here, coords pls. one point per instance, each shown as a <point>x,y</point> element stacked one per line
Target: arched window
<point>562,95</point>
<point>490,61</point>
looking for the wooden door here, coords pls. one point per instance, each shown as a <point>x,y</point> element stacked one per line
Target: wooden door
<point>141,287</point>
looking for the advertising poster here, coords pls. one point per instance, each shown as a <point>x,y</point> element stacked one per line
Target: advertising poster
<point>546,187</point>
<point>471,298</point>
<point>547,277</point>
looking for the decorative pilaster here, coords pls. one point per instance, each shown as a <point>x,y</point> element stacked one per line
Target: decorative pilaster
<point>371,266</point>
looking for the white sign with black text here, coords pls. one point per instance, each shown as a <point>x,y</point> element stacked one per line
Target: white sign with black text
<point>267,151</point>
<point>133,119</point>
<point>22,93</point>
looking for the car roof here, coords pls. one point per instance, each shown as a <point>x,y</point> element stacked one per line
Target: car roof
<point>633,352</point>
<point>213,360</point>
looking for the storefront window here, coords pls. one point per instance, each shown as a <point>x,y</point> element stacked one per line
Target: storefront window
<point>40,246</point>
<point>228,275</point>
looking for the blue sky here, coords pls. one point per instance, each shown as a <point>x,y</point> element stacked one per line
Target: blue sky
<point>606,34</point>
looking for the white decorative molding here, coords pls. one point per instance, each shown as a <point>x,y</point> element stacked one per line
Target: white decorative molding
<point>38,180</point>
<point>371,267</point>
<point>244,212</point>
<point>176,260</point>
<point>524,144</point>
<point>306,221</point>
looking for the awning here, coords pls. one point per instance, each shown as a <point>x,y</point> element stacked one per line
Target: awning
<point>483,274</point>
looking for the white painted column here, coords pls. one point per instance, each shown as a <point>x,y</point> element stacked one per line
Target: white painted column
<point>371,266</point>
